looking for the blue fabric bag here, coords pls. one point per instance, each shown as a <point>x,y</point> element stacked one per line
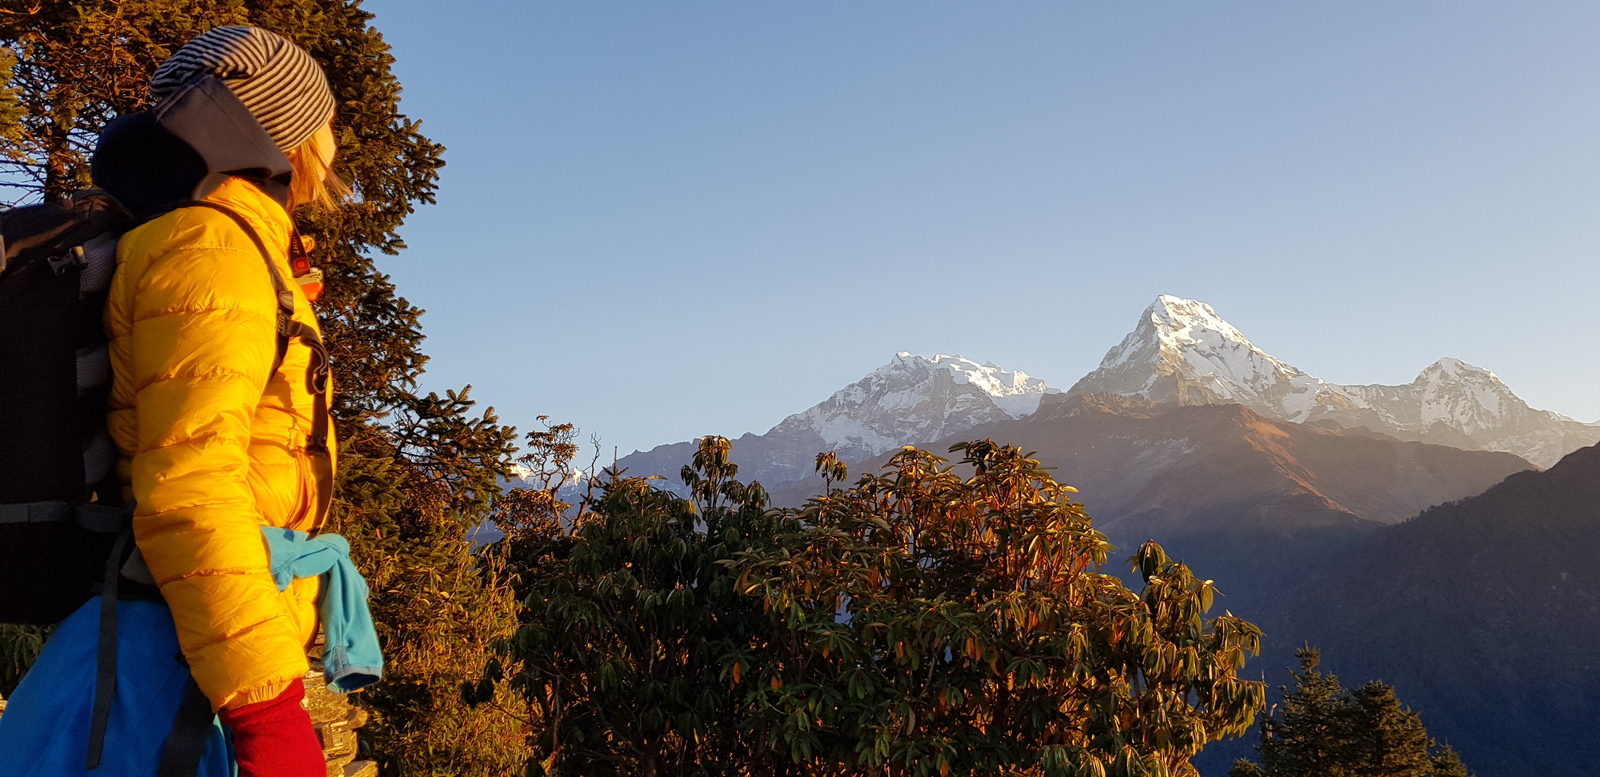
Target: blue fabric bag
<point>44,731</point>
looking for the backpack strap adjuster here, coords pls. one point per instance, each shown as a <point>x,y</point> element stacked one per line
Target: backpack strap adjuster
<point>73,259</point>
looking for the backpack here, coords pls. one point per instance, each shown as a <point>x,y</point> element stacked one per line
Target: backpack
<point>61,510</point>
<point>60,502</point>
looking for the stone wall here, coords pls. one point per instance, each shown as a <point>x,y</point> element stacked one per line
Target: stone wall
<point>336,721</point>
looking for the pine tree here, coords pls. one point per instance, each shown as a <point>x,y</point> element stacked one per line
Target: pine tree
<point>1322,730</point>
<point>1388,738</point>
<point>1447,764</point>
<point>416,472</point>
<point>1311,733</point>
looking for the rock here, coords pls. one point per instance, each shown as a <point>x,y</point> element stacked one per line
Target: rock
<point>335,720</point>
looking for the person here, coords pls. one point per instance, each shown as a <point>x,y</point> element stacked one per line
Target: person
<point>219,399</point>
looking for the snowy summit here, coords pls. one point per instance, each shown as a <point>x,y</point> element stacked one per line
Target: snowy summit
<point>915,399</point>
<point>912,400</point>
<point>1182,351</point>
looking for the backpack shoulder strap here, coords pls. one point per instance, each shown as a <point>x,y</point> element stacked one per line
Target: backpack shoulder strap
<point>317,372</point>
<point>287,327</point>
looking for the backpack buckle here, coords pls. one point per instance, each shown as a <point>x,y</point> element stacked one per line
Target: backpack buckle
<point>73,259</point>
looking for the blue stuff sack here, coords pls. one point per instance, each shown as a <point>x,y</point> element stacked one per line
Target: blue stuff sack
<point>44,731</point>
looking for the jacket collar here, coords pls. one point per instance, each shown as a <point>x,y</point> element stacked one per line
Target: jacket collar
<point>247,199</point>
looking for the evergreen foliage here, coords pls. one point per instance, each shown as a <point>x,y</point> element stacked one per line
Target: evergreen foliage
<point>628,638</point>
<point>19,648</point>
<point>1322,730</point>
<point>916,623</point>
<point>416,472</point>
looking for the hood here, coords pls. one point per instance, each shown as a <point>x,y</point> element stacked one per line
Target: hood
<point>184,148</point>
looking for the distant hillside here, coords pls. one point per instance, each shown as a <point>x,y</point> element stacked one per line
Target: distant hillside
<point>1250,502</point>
<point>1485,616</point>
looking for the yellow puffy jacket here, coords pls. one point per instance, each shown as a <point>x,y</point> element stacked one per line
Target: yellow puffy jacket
<point>213,446</point>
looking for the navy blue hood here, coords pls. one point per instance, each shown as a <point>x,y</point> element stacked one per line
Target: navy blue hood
<point>184,148</point>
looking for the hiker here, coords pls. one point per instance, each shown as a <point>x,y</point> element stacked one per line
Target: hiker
<point>218,409</point>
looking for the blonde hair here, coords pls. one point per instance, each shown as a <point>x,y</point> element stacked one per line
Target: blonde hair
<point>314,181</point>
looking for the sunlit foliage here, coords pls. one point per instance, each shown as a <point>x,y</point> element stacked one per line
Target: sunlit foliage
<point>935,623</point>
<point>629,617</point>
<point>920,622</point>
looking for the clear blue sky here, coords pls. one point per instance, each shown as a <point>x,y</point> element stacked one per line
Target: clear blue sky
<point>667,219</point>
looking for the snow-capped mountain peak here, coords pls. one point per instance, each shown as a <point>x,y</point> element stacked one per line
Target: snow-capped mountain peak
<point>1453,394</point>
<point>1448,381</point>
<point>912,400</point>
<point>1180,320</point>
<point>915,399</point>
<point>525,476</point>
<point>1453,366</point>
<point>1182,351</point>
<point>1015,392</point>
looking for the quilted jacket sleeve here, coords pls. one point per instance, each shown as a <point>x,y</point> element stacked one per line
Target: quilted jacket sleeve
<point>202,345</point>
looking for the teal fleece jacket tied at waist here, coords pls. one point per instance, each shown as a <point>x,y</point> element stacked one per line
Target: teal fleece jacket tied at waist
<point>351,658</point>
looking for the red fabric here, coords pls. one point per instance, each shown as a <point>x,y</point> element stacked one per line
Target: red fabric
<point>274,738</point>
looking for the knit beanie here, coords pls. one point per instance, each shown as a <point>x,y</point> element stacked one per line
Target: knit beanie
<point>278,81</point>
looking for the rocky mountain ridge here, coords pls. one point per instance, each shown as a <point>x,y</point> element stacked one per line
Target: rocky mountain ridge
<point>1252,502</point>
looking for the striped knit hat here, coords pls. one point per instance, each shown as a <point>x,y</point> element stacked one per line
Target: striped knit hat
<point>279,82</point>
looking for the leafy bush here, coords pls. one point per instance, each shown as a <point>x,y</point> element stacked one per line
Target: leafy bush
<point>917,623</point>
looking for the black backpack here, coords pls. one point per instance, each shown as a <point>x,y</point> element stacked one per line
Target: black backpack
<point>60,503</point>
<point>61,509</point>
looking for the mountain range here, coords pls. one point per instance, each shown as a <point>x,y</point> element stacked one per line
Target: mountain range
<point>1180,351</point>
<point>909,401</point>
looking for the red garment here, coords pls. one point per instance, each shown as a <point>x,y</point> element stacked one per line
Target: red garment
<point>274,738</point>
